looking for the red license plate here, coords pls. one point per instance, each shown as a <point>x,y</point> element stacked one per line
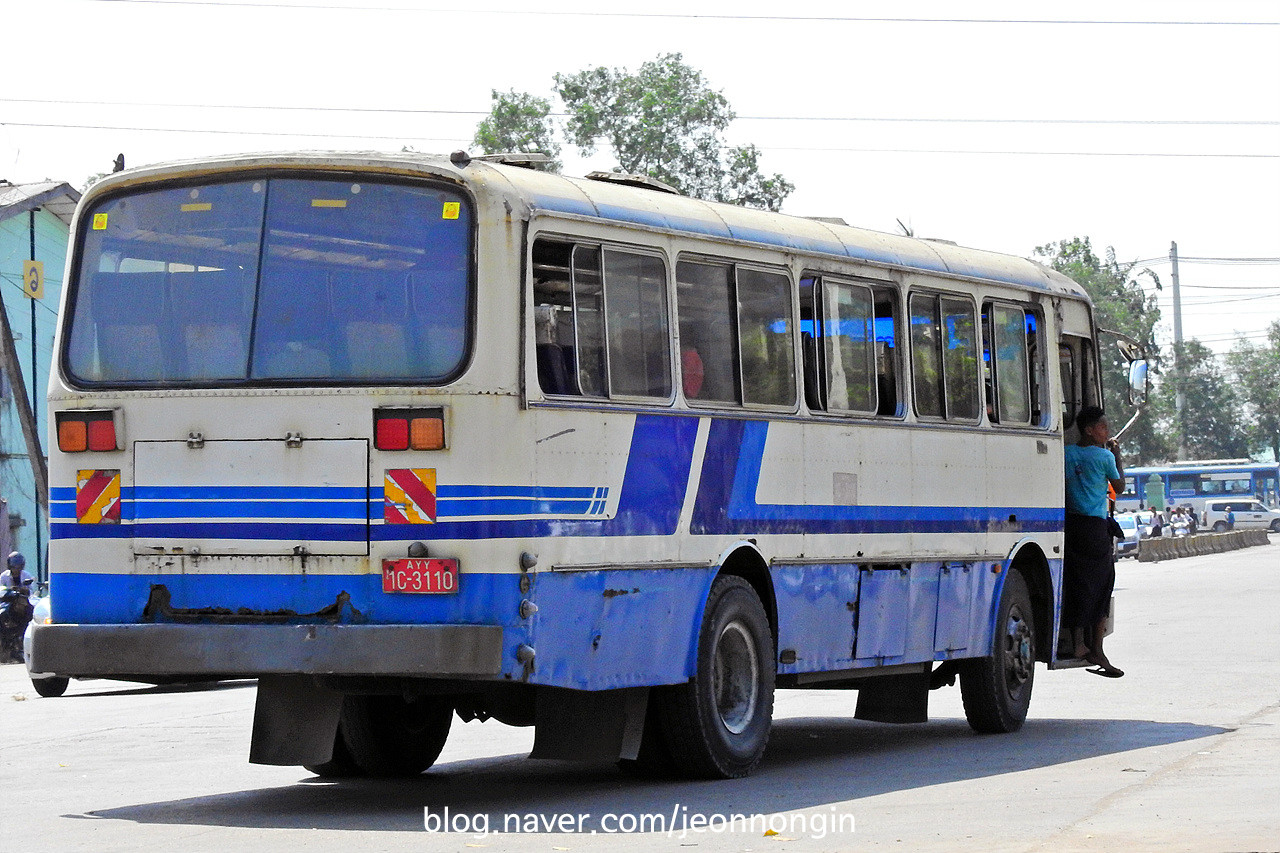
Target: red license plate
<point>420,575</point>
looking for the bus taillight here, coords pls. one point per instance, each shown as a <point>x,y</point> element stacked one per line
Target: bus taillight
<point>81,431</point>
<point>408,429</point>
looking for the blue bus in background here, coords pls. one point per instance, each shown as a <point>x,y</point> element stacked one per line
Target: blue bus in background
<point>1193,482</point>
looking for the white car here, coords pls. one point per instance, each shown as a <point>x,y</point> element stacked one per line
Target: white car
<point>1250,515</point>
<point>46,683</point>
<point>1128,546</point>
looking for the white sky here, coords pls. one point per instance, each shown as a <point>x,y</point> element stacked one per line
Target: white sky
<point>1134,134</point>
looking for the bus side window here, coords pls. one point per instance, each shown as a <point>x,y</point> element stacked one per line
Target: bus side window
<point>1009,352</point>
<point>765,338</point>
<point>705,305</point>
<point>600,322</point>
<point>1067,372</point>
<point>840,346</point>
<point>638,329</point>
<point>887,370</point>
<point>944,357</point>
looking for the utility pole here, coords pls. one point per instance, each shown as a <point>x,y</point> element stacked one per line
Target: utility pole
<point>41,502</point>
<point>1180,397</point>
<point>13,370</point>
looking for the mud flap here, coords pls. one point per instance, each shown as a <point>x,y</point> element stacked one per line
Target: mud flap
<point>295,721</point>
<point>579,725</point>
<point>895,699</point>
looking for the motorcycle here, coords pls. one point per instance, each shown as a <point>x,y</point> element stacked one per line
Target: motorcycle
<point>15,613</point>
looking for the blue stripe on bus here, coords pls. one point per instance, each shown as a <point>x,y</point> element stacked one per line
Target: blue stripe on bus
<point>540,492</point>
<point>731,474</point>
<point>291,531</point>
<point>659,464</point>
<point>653,487</point>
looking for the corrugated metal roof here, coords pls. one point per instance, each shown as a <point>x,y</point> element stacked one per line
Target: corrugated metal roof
<point>58,198</point>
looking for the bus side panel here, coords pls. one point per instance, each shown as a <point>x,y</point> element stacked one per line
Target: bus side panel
<point>817,606</point>
<point>598,630</point>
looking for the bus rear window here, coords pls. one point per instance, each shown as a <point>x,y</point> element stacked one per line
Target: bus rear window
<point>277,280</point>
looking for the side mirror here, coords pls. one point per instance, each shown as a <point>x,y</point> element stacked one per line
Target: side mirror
<point>1138,381</point>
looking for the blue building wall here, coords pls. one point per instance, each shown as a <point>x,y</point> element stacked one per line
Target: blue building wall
<point>17,483</point>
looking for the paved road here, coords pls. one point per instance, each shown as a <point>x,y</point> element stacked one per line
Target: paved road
<point>1181,754</point>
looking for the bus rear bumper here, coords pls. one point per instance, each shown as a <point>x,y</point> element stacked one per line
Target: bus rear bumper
<point>168,651</point>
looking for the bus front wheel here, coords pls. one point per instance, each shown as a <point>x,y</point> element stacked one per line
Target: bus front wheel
<point>997,689</point>
<point>717,725</point>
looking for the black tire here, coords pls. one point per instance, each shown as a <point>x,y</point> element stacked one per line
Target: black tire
<point>997,690</point>
<point>717,725</point>
<point>1219,527</point>
<point>389,736</point>
<point>1275,526</point>
<point>51,688</point>
<point>342,765</point>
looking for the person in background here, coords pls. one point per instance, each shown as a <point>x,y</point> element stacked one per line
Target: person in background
<point>1089,572</point>
<point>16,574</point>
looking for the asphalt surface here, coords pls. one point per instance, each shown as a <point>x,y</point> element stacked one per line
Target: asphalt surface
<point>1179,755</point>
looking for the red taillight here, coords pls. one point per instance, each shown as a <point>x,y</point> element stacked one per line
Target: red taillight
<point>408,429</point>
<point>392,434</point>
<point>81,431</point>
<point>102,435</point>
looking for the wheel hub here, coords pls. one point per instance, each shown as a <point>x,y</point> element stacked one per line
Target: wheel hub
<point>1019,658</point>
<point>734,678</point>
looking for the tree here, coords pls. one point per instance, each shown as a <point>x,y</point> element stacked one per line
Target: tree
<point>663,121</point>
<point>1120,305</point>
<point>1211,425</point>
<point>1256,368</point>
<point>518,121</point>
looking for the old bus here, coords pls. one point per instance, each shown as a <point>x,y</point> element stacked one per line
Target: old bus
<point>410,438</point>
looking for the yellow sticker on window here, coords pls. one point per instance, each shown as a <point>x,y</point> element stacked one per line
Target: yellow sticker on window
<point>452,209</point>
<point>328,202</point>
<point>100,222</point>
<point>197,207</point>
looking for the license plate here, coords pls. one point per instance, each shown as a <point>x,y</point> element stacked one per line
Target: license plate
<point>420,575</point>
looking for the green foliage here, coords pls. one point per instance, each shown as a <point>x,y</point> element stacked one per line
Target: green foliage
<point>520,122</point>
<point>1211,425</point>
<point>662,121</point>
<point>1257,369</point>
<point>1120,305</point>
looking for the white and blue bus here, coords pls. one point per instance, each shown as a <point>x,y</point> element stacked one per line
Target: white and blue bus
<point>409,437</point>
<point>1193,482</point>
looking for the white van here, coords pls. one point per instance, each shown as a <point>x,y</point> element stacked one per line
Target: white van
<point>1250,515</point>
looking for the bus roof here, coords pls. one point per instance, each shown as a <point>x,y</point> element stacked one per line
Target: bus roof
<point>609,201</point>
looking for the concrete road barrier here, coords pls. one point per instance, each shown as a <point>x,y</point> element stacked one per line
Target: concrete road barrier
<point>1174,547</point>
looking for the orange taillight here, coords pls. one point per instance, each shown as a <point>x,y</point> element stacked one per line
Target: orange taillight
<point>73,436</point>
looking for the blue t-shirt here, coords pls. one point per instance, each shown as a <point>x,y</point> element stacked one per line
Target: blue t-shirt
<point>1087,472</point>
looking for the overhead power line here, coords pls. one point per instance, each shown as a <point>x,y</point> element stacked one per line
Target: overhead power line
<point>692,16</point>
<point>457,140</point>
<point>852,119</point>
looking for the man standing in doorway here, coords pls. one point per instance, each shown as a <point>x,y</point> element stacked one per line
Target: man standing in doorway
<point>1089,572</point>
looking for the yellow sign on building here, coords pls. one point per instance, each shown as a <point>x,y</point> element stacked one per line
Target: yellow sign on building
<point>33,279</point>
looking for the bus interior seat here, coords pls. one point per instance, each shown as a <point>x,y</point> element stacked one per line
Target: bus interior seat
<point>374,306</point>
<point>212,310</point>
<point>297,345</point>
<point>129,314</point>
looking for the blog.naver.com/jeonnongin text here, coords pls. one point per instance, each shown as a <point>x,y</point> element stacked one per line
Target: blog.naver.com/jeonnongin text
<point>679,822</point>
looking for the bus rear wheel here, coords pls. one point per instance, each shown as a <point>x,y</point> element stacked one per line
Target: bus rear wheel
<point>390,736</point>
<point>997,689</point>
<point>717,725</point>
